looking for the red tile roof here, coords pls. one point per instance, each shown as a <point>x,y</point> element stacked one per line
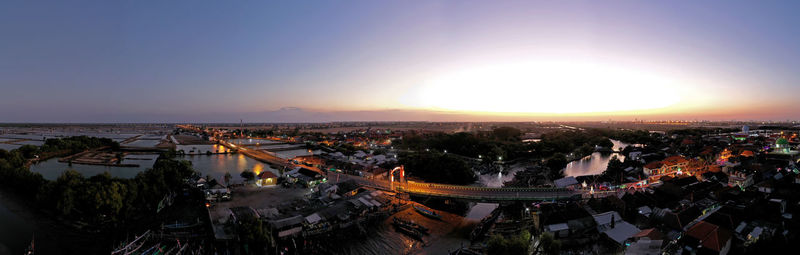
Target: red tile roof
<point>654,165</point>
<point>266,174</point>
<point>651,233</point>
<point>674,160</point>
<point>710,236</point>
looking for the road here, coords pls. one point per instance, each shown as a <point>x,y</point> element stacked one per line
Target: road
<point>258,154</point>
<point>465,192</point>
<point>483,194</point>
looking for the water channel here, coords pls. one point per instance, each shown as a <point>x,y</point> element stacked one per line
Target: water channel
<point>594,164</point>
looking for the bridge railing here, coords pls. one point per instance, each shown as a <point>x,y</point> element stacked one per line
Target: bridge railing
<point>489,196</point>
<point>460,187</point>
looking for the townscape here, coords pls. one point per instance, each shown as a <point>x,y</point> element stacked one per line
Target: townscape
<point>362,127</point>
<point>355,188</point>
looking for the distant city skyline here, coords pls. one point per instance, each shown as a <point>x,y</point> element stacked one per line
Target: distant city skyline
<point>208,61</point>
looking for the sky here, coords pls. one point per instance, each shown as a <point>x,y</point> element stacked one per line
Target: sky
<point>288,61</point>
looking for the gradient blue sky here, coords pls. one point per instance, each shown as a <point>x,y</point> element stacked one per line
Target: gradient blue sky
<point>143,61</point>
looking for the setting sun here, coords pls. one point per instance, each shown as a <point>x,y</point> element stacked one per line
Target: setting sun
<point>549,87</point>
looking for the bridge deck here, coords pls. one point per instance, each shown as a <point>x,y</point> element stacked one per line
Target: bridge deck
<point>466,192</point>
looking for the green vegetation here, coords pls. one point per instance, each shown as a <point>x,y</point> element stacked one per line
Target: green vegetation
<point>548,244</point>
<point>501,142</point>
<point>103,199</point>
<point>248,175</point>
<point>614,171</point>
<point>439,168</point>
<point>518,244</point>
<point>100,200</point>
<point>569,141</point>
<point>556,164</point>
<point>253,234</point>
<point>556,148</point>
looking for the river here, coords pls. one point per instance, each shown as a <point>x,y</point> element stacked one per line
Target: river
<point>51,169</point>
<point>594,164</point>
<point>217,165</point>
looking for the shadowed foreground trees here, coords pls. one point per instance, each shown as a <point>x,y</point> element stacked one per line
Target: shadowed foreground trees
<point>439,168</point>
<point>518,244</point>
<point>105,199</point>
<point>98,199</point>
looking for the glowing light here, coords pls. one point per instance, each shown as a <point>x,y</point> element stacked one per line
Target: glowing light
<point>548,87</point>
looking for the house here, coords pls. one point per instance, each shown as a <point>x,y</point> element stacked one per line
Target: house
<point>765,187</point>
<point>645,246</point>
<point>285,228</point>
<point>558,230</point>
<point>621,231</point>
<point>740,178</point>
<point>707,237</point>
<point>267,179</point>
<point>217,192</point>
<point>668,166</point>
<point>612,226</point>
<point>606,220</point>
<point>634,155</point>
<point>650,233</point>
<point>567,182</point>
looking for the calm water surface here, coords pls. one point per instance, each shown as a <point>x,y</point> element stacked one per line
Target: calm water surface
<point>594,164</point>
<point>218,164</point>
<point>51,169</point>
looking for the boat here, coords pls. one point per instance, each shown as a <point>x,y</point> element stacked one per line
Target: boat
<point>405,229</point>
<point>427,212</point>
<point>409,223</point>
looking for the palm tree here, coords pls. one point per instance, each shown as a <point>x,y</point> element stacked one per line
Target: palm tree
<point>227,178</point>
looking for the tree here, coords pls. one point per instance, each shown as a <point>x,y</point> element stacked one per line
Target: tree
<point>119,156</point>
<point>614,170</point>
<point>67,191</point>
<point>440,168</point>
<point>248,175</point>
<point>227,178</point>
<point>506,133</point>
<point>548,244</point>
<point>517,244</point>
<point>28,151</point>
<point>556,163</point>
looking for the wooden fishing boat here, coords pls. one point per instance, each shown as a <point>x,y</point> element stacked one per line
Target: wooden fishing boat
<point>427,212</point>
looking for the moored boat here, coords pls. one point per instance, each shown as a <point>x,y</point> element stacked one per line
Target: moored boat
<point>410,231</point>
<point>427,212</point>
<point>409,223</point>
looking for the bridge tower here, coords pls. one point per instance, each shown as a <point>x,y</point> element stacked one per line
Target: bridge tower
<point>402,178</point>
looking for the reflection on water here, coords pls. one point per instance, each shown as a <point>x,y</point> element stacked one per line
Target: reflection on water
<point>51,169</point>
<point>218,164</point>
<point>594,164</point>
<point>496,180</point>
<point>201,148</point>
